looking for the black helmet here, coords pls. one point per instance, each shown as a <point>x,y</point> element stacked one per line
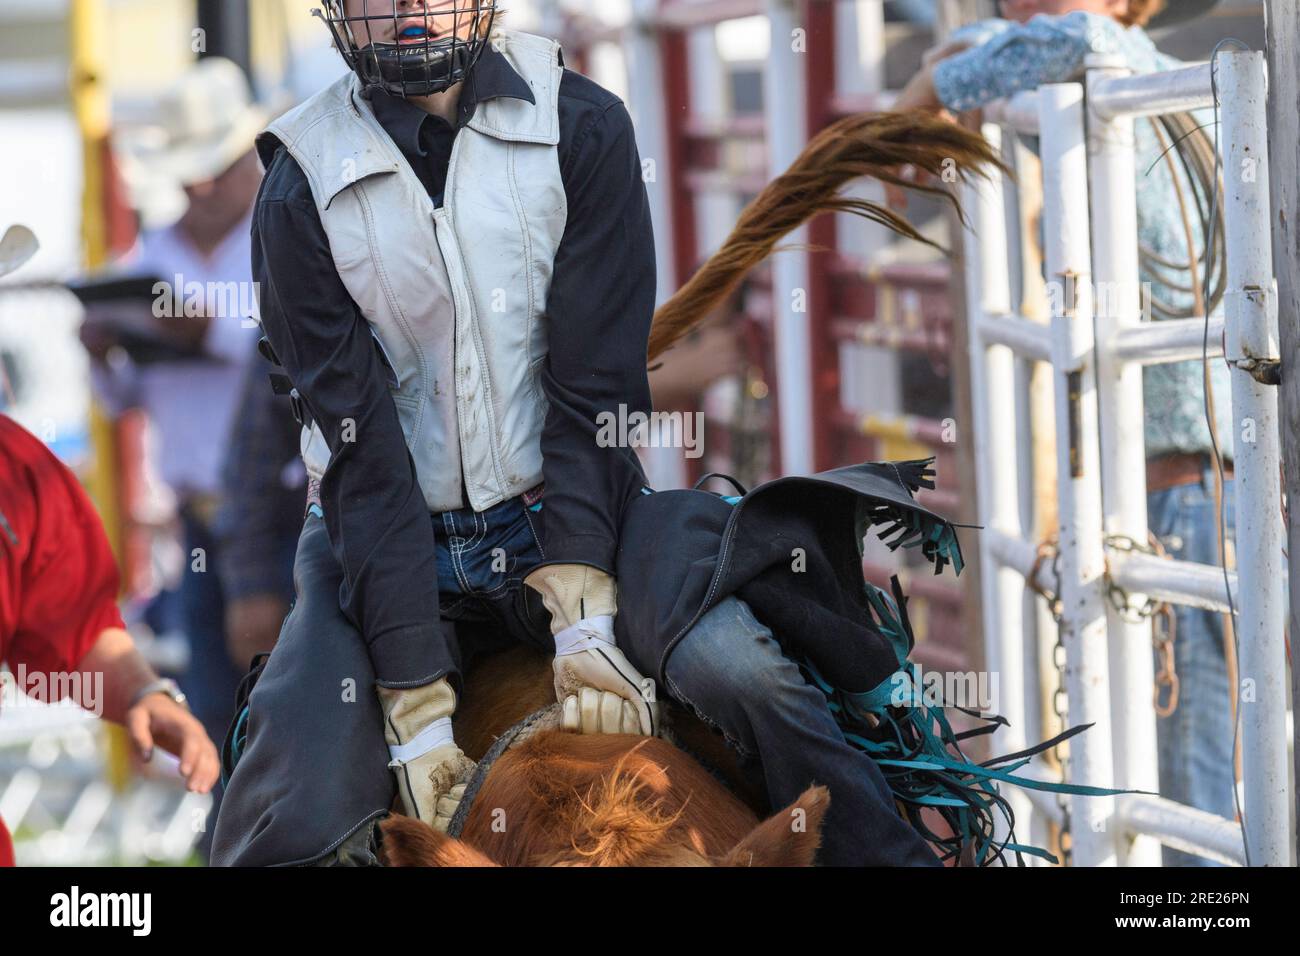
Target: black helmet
<point>400,52</point>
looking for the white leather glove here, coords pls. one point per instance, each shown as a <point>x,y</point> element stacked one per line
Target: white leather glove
<point>599,689</point>
<point>431,771</point>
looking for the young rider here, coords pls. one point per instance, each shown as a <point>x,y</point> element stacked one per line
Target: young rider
<point>457,273</point>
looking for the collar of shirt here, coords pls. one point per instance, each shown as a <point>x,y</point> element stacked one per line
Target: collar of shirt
<point>491,77</point>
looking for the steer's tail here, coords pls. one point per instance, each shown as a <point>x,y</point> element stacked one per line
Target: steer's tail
<point>866,144</point>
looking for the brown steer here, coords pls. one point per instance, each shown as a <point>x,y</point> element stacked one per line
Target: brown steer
<point>561,799</point>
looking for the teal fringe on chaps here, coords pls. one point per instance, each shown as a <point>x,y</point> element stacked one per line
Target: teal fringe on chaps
<point>911,738</point>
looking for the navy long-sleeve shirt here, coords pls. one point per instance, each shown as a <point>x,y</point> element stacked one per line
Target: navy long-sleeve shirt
<point>262,485</point>
<point>599,311</point>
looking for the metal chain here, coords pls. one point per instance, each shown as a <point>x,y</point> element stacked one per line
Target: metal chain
<point>1049,550</point>
<point>1162,639</point>
<point>1119,597</point>
<point>1060,704</point>
<point>1167,676</point>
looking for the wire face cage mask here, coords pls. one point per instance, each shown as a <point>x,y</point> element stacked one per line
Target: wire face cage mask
<point>412,49</point>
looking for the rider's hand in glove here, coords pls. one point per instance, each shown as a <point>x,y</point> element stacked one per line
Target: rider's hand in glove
<point>601,692</point>
<point>431,770</point>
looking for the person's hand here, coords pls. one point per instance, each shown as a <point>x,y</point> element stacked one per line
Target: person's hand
<point>107,324</point>
<point>253,626</point>
<point>918,94</point>
<point>597,687</point>
<point>158,720</point>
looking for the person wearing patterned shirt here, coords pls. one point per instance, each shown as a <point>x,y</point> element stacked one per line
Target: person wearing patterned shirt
<point>1048,41</point>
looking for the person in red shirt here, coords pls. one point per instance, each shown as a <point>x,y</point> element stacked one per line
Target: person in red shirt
<point>60,626</point>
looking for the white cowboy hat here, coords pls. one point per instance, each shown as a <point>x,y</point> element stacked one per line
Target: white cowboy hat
<point>204,123</point>
<point>18,245</point>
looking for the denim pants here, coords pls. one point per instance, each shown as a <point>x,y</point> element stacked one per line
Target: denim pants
<point>728,670</point>
<point>1195,742</point>
<point>731,672</point>
<point>483,558</point>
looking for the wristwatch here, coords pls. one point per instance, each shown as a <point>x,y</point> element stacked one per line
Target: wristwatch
<point>164,685</point>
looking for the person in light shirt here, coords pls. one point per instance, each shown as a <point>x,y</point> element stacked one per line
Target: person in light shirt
<point>202,335</point>
<point>59,621</point>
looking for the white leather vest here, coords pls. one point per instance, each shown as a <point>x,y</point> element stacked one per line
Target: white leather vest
<point>456,295</point>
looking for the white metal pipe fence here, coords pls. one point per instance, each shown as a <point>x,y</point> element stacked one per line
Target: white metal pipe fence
<point>1112,188</point>
<point>1096,346</point>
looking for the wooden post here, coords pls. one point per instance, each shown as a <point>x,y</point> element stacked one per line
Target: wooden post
<point>1282,20</point>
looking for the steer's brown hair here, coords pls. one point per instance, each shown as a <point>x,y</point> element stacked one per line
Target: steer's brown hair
<point>564,799</point>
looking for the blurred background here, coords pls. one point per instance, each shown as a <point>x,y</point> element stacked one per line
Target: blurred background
<point>716,118</point>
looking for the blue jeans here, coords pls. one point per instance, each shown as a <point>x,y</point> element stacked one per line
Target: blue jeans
<point>1195,741</point>
<point>730,671</point>
<point>482,560</point>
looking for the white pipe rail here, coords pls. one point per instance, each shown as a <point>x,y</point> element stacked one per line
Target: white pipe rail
<point>1151,94</point>
<point>1112,187</point>
<point>1101,457</point>
<point>1017,554</point>
<point>645,59</point>
<point>1019,114</point>
<point>1181,827</point>
<point>1178,582</point>
<point>1173,340</point>
<point>1173,824</point>
<point>1068,258</point>
<point>1029,339</point>
<point>783,97</point>
<point>1251,306</point>
<point>988,291</point>
<point>1045,803</point>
